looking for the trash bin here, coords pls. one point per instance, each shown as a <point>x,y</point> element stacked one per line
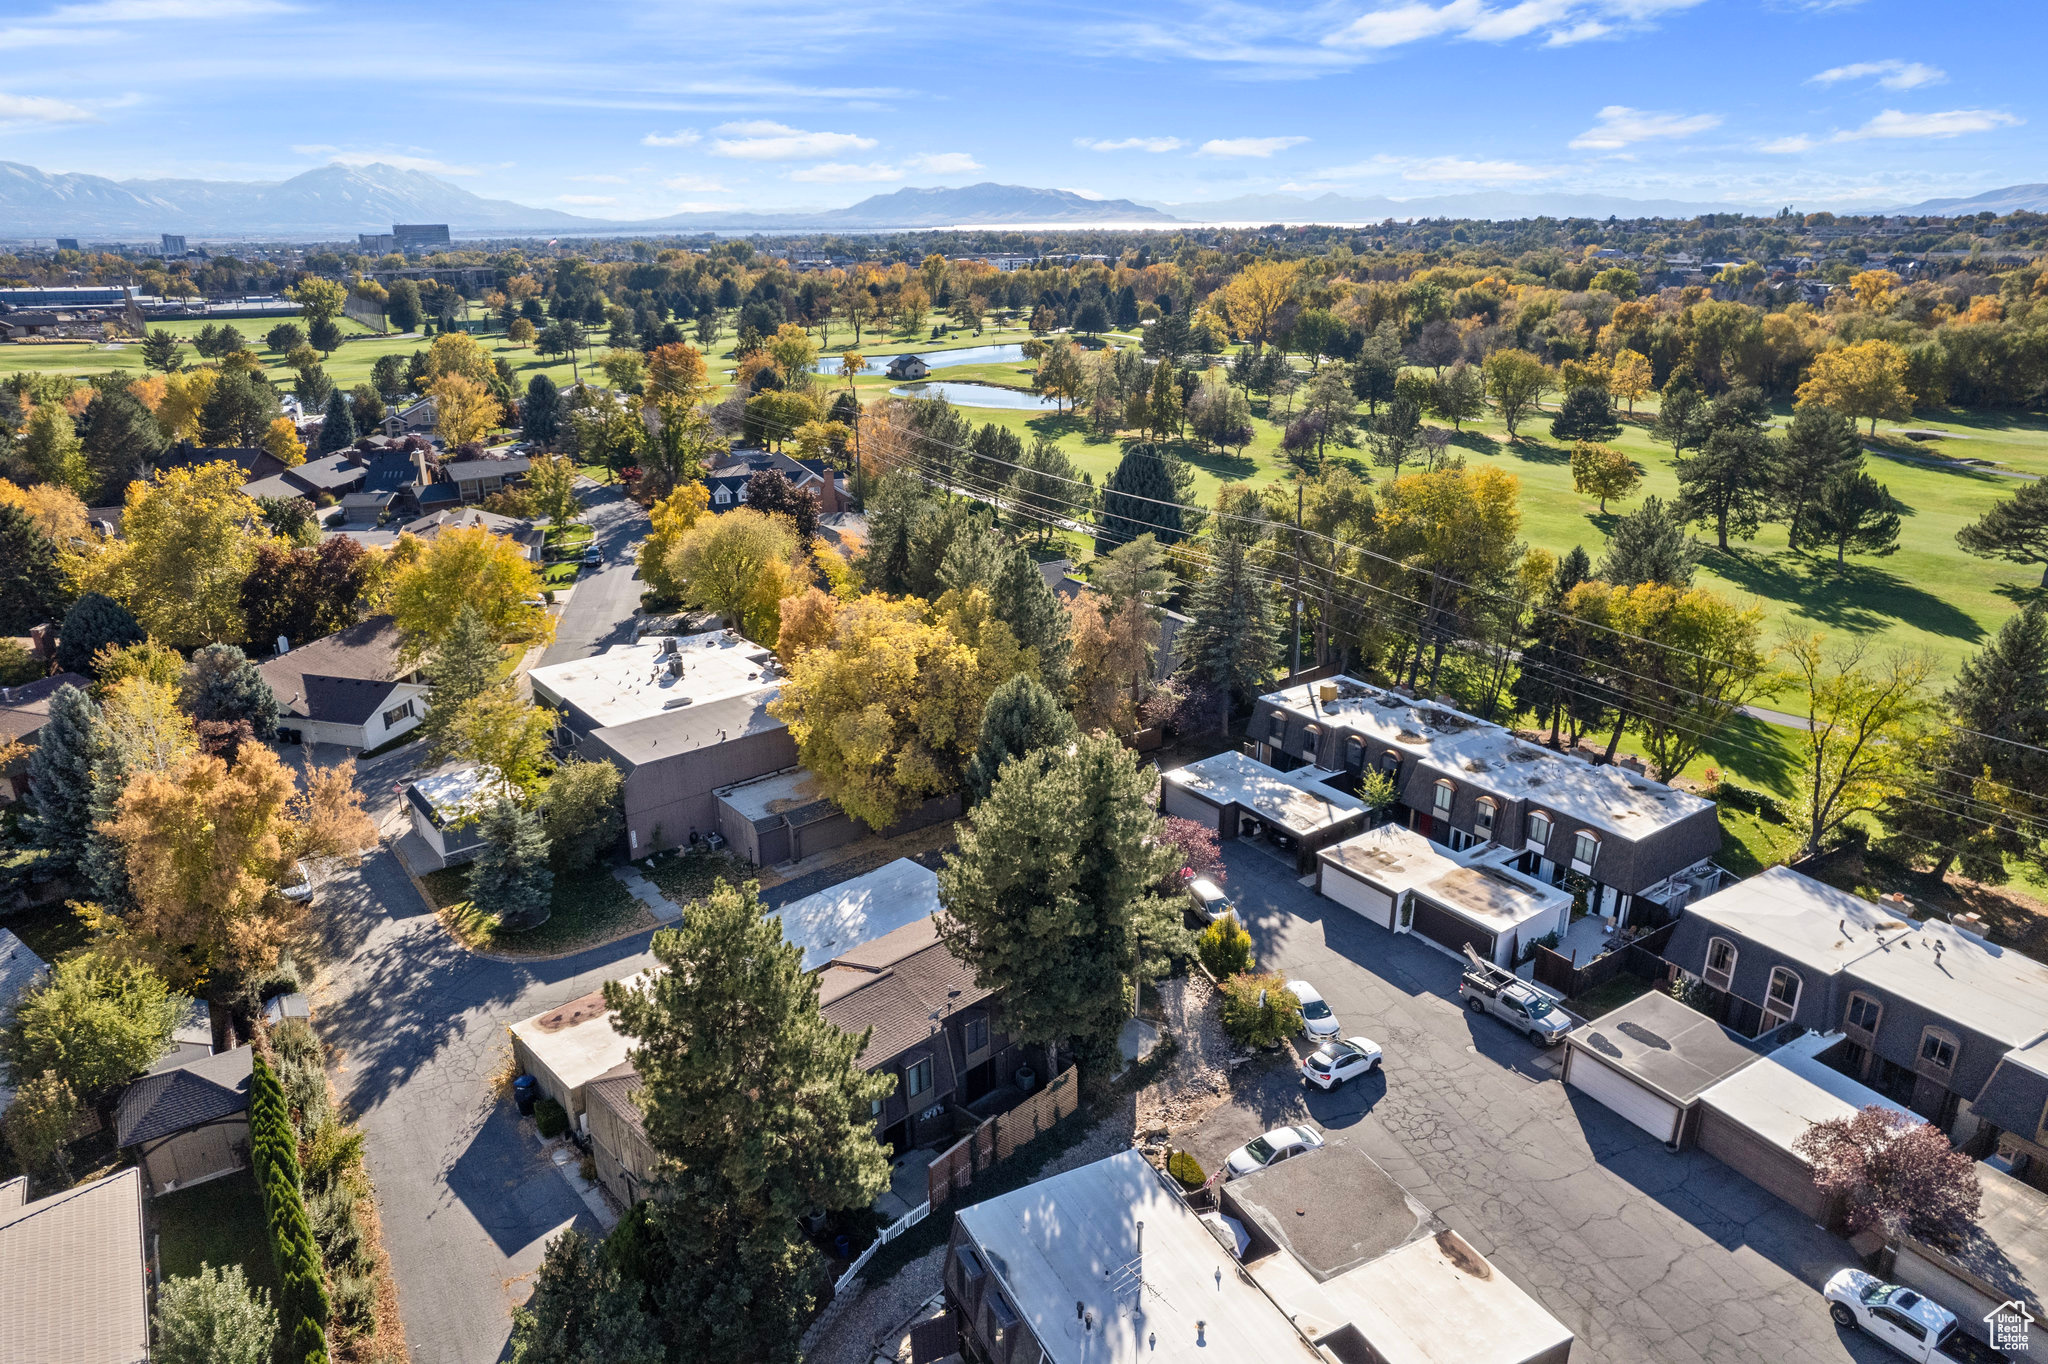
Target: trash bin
<point>525,1090</point>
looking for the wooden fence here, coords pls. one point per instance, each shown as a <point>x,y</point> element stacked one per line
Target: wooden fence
<point>996,1139</point>
<point>1639,958</point>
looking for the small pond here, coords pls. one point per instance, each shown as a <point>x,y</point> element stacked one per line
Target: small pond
<point>977,395</point>
<point>1010,353</point>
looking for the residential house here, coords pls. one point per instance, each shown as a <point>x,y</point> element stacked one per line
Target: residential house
<point>1935,1017</point>
<point>23,712</point>
<point>191,1035</point>
<point>190,1123</point>
<point>904,367</point>
<point>74,1273</point>
<point>348,688</point>
<point>254,460</point>
<point>415,418</point>
<point>1301,811</point>
<point>873,942</point>
<point>529,537</point>
<point>478,478</point>
<point>726,482</point>
<point>1323,1257</point>
<point>21,970</point>
<point>333,475</point>
<point>1634,848</point>
<point>680,717</point>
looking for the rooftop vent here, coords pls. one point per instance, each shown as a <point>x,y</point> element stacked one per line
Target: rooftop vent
<point>675,703</point>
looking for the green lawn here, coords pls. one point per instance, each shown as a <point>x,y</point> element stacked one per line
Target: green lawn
<point>559,575</point>
<point>589,907</point>
<point>218,1223</point>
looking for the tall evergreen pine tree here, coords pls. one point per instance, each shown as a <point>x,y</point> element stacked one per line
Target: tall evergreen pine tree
<point>60,785</point>
<point>1233,644</point>
<point>511,877</point>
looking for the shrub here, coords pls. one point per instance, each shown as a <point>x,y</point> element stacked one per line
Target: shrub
<point>355,1301</point>
<point>1259,1011</point>
<point>332,1149</point>
<point>550,1119</point>
<point>213,1318</point>
<point>1225,948</point>
<point>1186,1169</point>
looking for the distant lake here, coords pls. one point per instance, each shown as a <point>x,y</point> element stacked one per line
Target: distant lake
<point>977,395</point>
<point>1010,352</point>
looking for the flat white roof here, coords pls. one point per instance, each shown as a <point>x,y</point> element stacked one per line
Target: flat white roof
<point>1297,800</point>
<point>1439,1301</point>
<point>1478,885</point>
<point>1788,1091</point>
<point>629,682</point>
<point>1802,918</point>
<point>577,1041</point>
<point>1465,747</point>
<point>459,794</point>
<point>1960,976</point>
<point>1075,1238</point>
<point>841,917</point>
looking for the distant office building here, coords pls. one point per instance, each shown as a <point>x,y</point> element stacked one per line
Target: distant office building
<point>174,244</point>
<point>67,243</point>
<point>419,236</point>
<point>380,242</point>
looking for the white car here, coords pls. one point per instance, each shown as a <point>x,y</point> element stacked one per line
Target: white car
<point>1282,1143</point>
<point>1208,899</point>
<point>1316,1018</point>
<point>1910,1322</point>
<point>1333,1063</point>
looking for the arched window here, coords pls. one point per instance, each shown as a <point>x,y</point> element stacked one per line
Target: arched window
<point>1938,1048</point>
<point>1311,739</point>
<point>1539,831</point>
<point>1445,794</point>
<point>1863,1014</point>
<point>1354,753</point>
<point>1585,850</point>
<point>1390,762</point>
<point>1782,1001</point>
<point>1720,970</point>
<point>1482,818</point>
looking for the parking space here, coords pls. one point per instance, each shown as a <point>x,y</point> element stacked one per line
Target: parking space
<point>1644,1254</point>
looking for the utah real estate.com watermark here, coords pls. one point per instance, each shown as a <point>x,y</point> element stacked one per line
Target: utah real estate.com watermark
<point>2009,1325</point>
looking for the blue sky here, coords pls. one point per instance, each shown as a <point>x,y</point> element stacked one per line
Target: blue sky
<point>660,106</point>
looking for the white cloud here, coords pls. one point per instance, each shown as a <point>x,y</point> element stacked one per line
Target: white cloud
<point>681,137</point>
<point>1895,125</point>
<point>586,200</point>
<point>701,206</point>
<point>1619,125</point>
<point>48,37</point>
<point>761,140</point>
<point>1951,123</point>
<point>599,179</point>
<point>844,173</point>
<point>1130,144</point>
<point>121,11</point>
<point>41,109</point>
<point>1080,193</point>
<point>1456,168</point>
<point>1561,21</point>
<point>700,184</point>
<point>1892,74</point>
<point>401,160</point>
<point>943,163</point>
<point>1248,146</point>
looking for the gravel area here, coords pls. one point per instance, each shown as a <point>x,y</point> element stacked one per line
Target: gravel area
<point>1199,1077</point>
<point>876,1310</point>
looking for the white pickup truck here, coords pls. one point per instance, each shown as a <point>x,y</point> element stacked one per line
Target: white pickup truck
<point>1911,1323</point>
<point>1487,988</point>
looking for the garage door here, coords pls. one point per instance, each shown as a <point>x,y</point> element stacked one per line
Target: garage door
<point>1774,1170</point>
<point>1439,925</point>
<point>1352,893</point>
<point>1656,1115</point>
<point>1185,804</point>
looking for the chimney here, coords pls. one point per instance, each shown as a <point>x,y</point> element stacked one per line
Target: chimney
<point>419,461</point>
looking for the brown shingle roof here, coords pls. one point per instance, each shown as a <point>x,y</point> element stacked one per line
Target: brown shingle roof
<point>72,1278</point>
<point>615,1090</point>
<point>893,985</point>
<point>365,652</point>
<point>23,709</point>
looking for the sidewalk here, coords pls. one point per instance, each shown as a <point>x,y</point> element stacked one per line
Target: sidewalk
<point>647,893</point>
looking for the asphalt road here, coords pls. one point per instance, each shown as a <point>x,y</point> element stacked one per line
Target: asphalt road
<point>600,610</point>
<point>1645,1255</point>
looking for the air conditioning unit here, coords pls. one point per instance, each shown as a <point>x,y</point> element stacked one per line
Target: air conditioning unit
<point>714,841</point>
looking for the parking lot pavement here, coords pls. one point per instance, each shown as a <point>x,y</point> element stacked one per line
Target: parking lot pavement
<point>1645,1255</point>
<point>600,610</point>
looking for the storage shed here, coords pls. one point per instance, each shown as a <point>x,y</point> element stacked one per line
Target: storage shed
<point>1650,1060</point>
<point>189,1124</point>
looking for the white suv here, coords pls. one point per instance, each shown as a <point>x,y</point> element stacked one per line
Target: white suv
<point>1316,1017</point>
<point>1333,1063</point>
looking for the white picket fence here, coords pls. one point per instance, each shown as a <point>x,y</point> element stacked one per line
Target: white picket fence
<point>889,1233</point>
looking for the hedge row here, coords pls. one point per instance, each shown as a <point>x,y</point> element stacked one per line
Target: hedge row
<point>331,1179</point>
<point>302,1288</point>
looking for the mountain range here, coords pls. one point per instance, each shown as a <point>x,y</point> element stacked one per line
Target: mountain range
<point>338,201</point>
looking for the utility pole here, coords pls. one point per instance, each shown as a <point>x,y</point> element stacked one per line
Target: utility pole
<point>1295,667</point>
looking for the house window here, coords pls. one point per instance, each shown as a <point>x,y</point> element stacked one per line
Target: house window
<point>1938,1050</point>
<point>1482,818</point>
<point>977,1034</point>
<point>1390,762</point>
<point>397,713</point>
<point>1585,850</point>
<point>1864,1013</point>
<point>1354,754</point>
<point>1443,797</point>
<point>1783,1000</point>
<point>1720,963</point>
<point>722,496</point>
<point>874,1108</point>
<point>917,1079</point>
<point>1539,829</point>
<point>1310,739</point>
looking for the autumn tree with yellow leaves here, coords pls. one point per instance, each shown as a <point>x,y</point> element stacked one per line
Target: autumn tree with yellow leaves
<point>1866,380</point>
<point>466,567</point>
